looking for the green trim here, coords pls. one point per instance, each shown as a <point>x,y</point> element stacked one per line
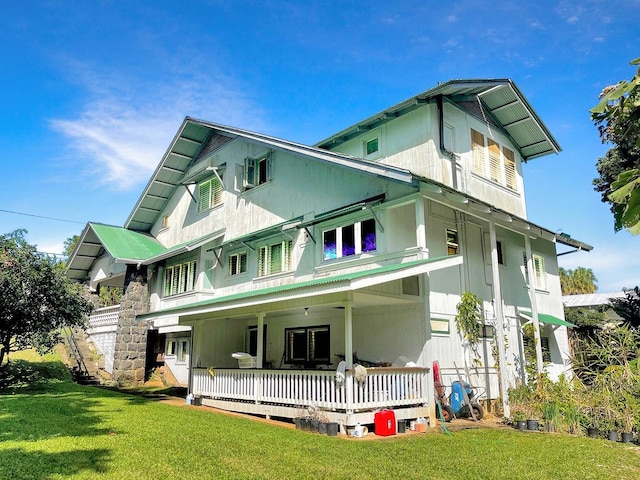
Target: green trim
<point>440,321</point>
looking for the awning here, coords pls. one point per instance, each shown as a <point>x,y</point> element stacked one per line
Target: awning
<point>545,318</point>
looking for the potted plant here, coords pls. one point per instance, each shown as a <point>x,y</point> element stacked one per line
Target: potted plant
<point>519,419</point>
<point>551,415</point>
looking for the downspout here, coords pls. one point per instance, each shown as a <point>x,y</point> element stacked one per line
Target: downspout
<point>443,148</point>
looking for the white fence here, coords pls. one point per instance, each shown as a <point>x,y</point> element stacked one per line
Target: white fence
<point>382,388</point>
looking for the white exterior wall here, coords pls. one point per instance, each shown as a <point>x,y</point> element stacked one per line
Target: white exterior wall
<point>411,141</point>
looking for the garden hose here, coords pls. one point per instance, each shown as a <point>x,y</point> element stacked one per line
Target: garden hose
<point>444,426</point>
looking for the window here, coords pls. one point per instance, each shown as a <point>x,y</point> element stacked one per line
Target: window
<point>354,239</point>
<point>165,221</point>
<point>499,249</point>
<point>540,275</point>
<point>209,194</point>
<point>238,263</point>
<point>274,258</point>
<point>257,171</point>
<point>171,347</point>
<point>252,340</point>
<point>371,146</point>
<point>183,350</point>
<point>180,278</point>
<point>528,342</point>
<point>452,242</point>
<point>493,161</point>
<point>307,345</point>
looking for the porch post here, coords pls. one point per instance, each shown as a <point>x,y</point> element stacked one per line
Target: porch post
<point>534,304</point>
<point>348,353</point>
<point>421,237</point>
<point>259,352</point>
<point>497,305</point>
<point>348,334</point>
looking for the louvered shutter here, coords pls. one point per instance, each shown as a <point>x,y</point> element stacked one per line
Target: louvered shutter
<point>249,172</point>
<point>216,192</point>
<point>204,194</point>
<point>262,261</point>
<point>477,149</point>
<point>275,262</point>
<point>509,168</point>
<point>495,166</point>
<point>540,274</point>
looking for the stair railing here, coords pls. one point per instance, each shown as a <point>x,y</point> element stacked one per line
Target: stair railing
<point>74,350</point>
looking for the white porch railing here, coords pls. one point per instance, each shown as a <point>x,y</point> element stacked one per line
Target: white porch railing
<point>382,388</point>
<point>104,316</point>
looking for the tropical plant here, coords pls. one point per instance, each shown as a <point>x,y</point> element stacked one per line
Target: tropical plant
<point>579,281</point>
<point>469,318</point>
<point>617,117</point>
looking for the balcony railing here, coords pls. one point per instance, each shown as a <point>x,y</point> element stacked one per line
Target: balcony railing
<point>105,316</point>
<point>382,387</point>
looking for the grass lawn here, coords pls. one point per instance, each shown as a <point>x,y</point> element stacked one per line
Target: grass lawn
<point>53,428</point>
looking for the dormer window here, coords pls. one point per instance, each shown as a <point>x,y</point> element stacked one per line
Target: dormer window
<point>493,161</point>
<point>371,146</point>
<point>257,171</point>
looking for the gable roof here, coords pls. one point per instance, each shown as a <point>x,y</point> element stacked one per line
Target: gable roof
<point>188,144</point>
<point>499,99</point>
<point>125,246</point>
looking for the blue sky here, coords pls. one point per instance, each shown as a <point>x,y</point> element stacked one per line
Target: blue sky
<point>92,93</point>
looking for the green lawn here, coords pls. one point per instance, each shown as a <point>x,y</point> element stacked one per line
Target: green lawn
<point>56,429</point>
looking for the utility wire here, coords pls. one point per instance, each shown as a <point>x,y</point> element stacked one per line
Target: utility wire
<point>41,216</point>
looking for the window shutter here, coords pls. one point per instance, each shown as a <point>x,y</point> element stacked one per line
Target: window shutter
<point>268,167</point>
<point>287,256</point>
<point>262,261</point>
<point>477,148</point>
<point>495,166</point>
<point>192,276</point>
<point>249,172</point>
<point>243,263</point>
<point>216,192</point>
<point>276,260</point>
<point>204,194</point>
<point>509,168</point>
<point>167,281</point>
<point>540,274</point>
<point>526,268</point>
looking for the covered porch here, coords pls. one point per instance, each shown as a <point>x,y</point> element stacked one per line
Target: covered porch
<point>307,343</point>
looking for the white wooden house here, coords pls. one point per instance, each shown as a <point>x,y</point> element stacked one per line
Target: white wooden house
<point>356,248</point>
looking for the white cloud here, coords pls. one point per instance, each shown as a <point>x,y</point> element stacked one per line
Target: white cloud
<point>126,125</point>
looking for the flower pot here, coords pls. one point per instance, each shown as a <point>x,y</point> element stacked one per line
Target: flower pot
<point>322,428</point>
<point>593,432</point>
<point>299,423</point>
<point>521,424</point>
<point>402,426</point>
<point>333,428</point>
<point>313,426</point>
<point>627,437</point>
<point>532,424</point>
<point>613,435</point>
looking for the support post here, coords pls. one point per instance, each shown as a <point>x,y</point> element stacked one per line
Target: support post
<point>348,354</point>
<point>497,301</point>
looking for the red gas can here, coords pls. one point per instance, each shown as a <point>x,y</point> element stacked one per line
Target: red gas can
<point>385,423</point>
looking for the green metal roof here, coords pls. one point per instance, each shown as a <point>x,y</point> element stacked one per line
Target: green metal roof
<point>127,244</point>
<point>342,278</point>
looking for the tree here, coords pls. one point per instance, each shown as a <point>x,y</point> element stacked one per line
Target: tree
<point>579,281</point>
<point>617,117</point>
<point>70,244</point>
<point>628,307</point>
<point>36,299</point>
